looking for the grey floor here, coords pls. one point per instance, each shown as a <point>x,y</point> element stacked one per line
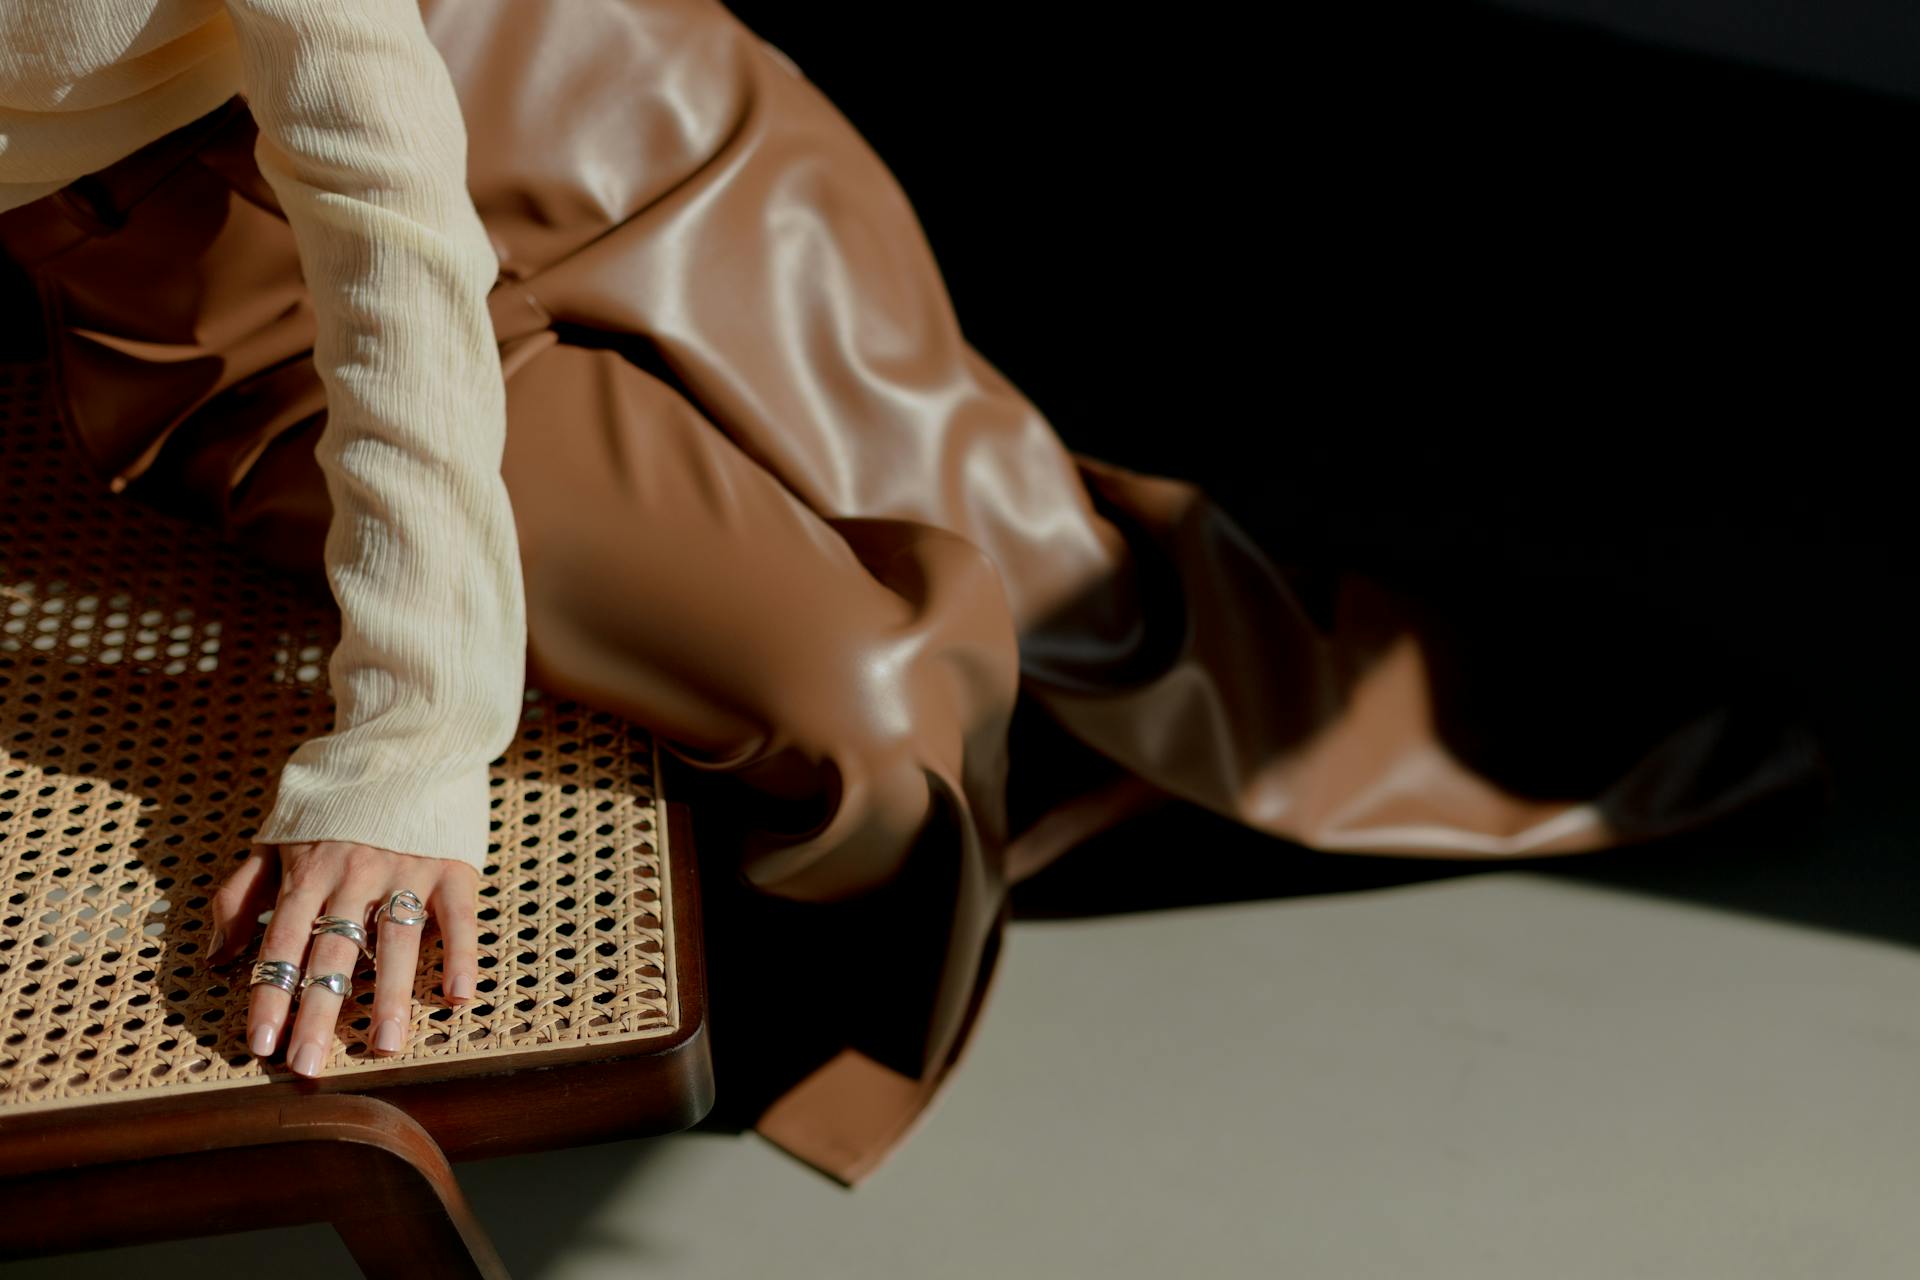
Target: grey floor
<point>1692,1063</point>
<point>1697,1062</point>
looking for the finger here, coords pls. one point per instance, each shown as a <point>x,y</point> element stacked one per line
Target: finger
<point>286,939</point>
<point>455,905</point>
<point>238,902</point>
<point>397,961</point>
<point>311,1042</point>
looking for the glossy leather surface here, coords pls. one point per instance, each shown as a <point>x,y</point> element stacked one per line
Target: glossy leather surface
<point>775,507</point>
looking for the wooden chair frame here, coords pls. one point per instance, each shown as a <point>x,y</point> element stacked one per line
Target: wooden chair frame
<point>375,1162</point>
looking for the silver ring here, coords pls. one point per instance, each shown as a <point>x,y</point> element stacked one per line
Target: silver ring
<point>275,973</point>
<point>403,906</point>
<point>345,928</point>
<point>334,982</point>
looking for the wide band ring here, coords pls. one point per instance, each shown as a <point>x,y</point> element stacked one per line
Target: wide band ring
<point>275,973</point>
<point>334,982</point>
<point>403,906</point>
<point>346,928</point>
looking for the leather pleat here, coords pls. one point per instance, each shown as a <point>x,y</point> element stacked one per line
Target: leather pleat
<point>773,506</point>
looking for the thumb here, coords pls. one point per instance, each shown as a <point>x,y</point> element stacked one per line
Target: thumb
<point>239,902</point>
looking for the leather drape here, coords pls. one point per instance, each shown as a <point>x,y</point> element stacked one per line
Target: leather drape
<point>774,506</point>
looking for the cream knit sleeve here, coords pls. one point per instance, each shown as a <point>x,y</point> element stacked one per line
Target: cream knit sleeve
<point>362,140</point>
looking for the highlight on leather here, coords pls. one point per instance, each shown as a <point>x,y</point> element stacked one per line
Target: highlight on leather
<point>775,506</point>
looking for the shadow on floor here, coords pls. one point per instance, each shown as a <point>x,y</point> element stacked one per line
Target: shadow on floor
<point>1843,859</point>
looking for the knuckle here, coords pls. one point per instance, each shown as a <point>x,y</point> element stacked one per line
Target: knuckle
<point>393,981</point>
<point>396,941</point>
<point>234,884</point>
<point>396,961</point>
<point>298,899</point>
<point>288,934</point>
<point>364,861</point>
<point>460,885</point>
<point>285,939</point>
<point>308,877</point>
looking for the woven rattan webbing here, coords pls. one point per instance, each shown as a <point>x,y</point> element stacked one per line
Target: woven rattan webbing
<point>152,682</point>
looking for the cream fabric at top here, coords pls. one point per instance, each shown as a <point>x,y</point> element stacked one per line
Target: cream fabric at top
<point>362,141</point>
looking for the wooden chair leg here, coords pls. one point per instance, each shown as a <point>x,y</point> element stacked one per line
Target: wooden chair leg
<point>409,1218</point>
<point>282,1159</point>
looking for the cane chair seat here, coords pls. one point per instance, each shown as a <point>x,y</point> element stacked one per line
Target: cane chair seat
<point>152,681</point>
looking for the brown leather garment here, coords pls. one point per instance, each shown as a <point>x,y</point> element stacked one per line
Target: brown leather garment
<point>772,505</point>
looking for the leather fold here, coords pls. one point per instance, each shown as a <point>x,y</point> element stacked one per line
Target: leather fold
<point>774,506</point>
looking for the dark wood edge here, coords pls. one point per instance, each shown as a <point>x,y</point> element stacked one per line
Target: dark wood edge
<point>526,1102</point>
<point>665,1089</point>
<point>358,1163</point>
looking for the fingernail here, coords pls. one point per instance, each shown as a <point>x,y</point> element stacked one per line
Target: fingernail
<point>306,1059</point>
<point>263,1039</point>
<point>219,941</point>
<point>387,1039</point>
<point>463,987</point>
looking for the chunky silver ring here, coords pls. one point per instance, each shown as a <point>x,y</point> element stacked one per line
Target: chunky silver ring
<point>345,928</point>
<point>334,982</point>
<point>275,973</point>
<point>403,906</point>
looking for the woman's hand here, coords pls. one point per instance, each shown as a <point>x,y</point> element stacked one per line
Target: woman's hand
<point>337,877</point>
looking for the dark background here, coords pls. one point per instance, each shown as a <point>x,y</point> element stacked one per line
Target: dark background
<point>1601,347</point>
<point>1578,334</point>
<point>1603,344</point>
<point>1597,341</point>
<point>1380,263</point>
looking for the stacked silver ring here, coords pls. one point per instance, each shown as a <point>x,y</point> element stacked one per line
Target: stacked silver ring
<point>346,928</point>
<point>403,906</point>
<point>275,973</point>
<point>334,982</point>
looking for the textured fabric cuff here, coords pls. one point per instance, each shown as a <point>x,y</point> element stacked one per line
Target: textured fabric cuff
<point>432,816</point>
